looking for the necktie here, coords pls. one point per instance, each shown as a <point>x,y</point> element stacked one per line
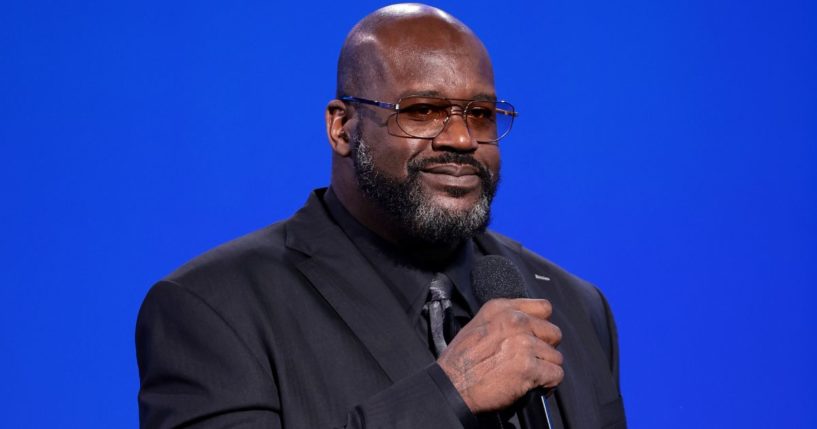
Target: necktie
<point>438,308</point>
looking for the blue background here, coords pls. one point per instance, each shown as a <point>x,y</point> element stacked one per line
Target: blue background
<point>667,151</point>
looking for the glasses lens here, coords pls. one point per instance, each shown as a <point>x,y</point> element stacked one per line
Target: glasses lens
<point>425,117</point>
<point>422,117</point>
<point>489,121</point>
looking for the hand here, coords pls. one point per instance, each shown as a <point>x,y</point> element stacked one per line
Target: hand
<point>507,349</point>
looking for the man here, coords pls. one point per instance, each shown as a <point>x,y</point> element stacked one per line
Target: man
<point>359,311</point>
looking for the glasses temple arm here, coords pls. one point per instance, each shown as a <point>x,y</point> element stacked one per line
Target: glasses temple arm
<point>381,104</point>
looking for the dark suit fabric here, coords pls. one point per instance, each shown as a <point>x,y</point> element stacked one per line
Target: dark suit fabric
<point>290,327</point>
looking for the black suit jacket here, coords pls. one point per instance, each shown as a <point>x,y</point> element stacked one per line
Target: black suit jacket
<point>290,327</point>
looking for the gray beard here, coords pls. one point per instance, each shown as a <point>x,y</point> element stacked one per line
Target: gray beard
<point>420,220</point>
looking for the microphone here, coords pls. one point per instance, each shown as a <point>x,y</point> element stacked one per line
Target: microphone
<point>496,276</point>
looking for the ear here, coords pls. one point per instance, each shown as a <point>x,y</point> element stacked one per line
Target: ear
<point>336,119</point>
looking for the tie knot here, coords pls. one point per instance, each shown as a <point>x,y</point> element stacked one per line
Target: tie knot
<point>440,288</point>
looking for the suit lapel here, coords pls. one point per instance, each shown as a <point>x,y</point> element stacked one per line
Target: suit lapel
<point>356,292</point>
<point>575,394</point>
<point>347,282</point>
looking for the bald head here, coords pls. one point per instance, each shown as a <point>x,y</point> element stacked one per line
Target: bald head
<point>409,37</point>
<point>403,187</point>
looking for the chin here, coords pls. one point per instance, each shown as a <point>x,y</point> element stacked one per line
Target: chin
<point>454,198</point>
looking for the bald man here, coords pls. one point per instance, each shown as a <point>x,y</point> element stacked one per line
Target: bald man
<point>360,310</point>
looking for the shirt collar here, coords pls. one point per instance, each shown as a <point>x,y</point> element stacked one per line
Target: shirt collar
<point>408,281</point>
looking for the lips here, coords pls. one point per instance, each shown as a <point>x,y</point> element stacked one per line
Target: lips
<point>456,170</point>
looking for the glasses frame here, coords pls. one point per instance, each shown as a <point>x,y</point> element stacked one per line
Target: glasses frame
<point>396,108</point>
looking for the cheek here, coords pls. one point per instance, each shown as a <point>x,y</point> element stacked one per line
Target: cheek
<point>489,156</point>
<point>392,163</point>
<point>391,155</point>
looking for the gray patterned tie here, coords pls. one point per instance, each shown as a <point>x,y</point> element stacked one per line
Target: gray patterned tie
<point>438,307</point>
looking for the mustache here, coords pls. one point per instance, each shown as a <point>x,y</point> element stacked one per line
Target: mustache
<point>416,165</point>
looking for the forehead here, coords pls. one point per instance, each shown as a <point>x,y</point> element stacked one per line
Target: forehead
<point>448,74</point>
<point>421,60</point>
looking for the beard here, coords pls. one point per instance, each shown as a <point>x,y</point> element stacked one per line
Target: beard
<point>420,219</point>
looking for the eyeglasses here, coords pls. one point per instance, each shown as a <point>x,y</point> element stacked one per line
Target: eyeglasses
<point>426,117</point>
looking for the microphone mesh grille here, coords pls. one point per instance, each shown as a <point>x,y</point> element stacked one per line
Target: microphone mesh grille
<point>496,276</point>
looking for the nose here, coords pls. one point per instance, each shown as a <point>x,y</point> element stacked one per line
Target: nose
<point>455,135</point>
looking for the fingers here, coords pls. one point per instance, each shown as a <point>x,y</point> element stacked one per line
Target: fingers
<point>543,366</point>
<point>546,331</point>
<point>497,370</point>
<point>507,349</point>
<point>535,348</point>
<point>538,308</point>
<point>548,375</point>
<point>525,315</point>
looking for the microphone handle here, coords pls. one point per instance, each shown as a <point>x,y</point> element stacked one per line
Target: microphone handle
<point>534,411</point>
<point>543,397</point>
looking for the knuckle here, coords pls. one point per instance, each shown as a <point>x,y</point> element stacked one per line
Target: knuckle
<point>525,341</point>
<point>472,332</point>
<point>506,346</point>
<point>529,366</point>
<point>517,318</point>
<point>547,308</point>
<point>558,358</point>
<point>557,335</point>
<point>555,376</point>
<point>560,374</point>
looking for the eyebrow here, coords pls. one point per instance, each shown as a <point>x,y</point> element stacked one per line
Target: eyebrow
<point>484,97</point>
<point>480,97</point>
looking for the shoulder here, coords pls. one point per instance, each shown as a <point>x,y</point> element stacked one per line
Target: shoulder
<point>545,267</point>
<point>256,270</point>
<point>232,277</point>
<point>232,258</point>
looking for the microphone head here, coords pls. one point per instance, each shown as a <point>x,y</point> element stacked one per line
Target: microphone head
<point>496,276</point>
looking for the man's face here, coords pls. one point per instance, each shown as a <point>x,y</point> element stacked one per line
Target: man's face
<point>438,190</point>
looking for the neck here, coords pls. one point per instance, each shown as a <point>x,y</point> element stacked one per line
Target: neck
<point>382,224</point>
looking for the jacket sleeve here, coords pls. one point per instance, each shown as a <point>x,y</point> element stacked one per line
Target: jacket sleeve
<point>196,371</point>
<point>612,340</point>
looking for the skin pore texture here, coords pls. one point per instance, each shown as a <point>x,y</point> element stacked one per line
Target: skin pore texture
<point>428,195</point>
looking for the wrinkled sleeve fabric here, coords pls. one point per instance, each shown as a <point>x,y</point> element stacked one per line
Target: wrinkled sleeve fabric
<point>196,371</point>
<point>414,402</point>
